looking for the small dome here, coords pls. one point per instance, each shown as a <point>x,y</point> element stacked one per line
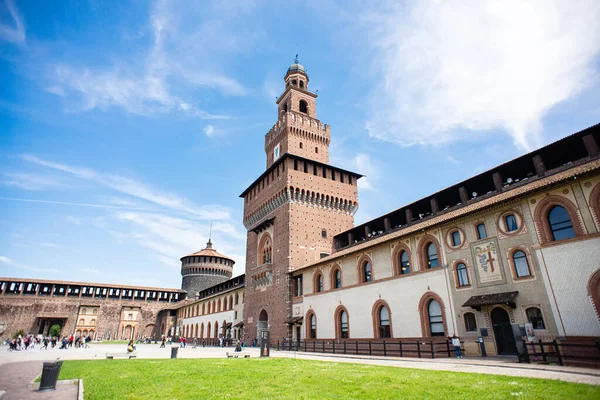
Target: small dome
<point>296,67</point>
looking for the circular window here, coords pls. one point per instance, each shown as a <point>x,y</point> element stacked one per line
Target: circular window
<point>455,238</point>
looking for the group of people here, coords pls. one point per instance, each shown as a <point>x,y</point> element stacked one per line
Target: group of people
<point>30,342</point>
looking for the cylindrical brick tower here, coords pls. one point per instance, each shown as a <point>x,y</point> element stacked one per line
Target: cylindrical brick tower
<point>204,269</point>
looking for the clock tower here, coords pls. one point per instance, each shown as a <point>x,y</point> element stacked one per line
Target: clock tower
<point>293,209</point>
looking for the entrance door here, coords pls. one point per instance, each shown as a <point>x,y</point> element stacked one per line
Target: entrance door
<point>298,337</point>
<point>505,340</point>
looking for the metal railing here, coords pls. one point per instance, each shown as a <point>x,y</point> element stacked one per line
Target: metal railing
<point>418,348</point>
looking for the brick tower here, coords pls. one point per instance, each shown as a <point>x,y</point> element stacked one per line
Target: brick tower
<point>293,210</point>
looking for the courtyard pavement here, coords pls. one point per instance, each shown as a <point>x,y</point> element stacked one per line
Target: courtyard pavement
<point>18,368</point>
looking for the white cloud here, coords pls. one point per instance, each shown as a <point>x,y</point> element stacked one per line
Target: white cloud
<point>73,220</point>
<point>31,182</point>
<point>363,164</point>
<point>172,238</point>
<point>182,55</point>
<point>451,68</point>
<point>136,189</point>
<point>13,264</point>
<point>210,131</point>
<point>15,31</point>
<point>6,260</point>
<point>119,201</point>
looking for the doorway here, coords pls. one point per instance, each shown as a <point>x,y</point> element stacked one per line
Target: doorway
<point>263,321</point>
<point>505,340</point>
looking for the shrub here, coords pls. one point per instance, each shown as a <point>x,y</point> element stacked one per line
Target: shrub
<point>54,330</point>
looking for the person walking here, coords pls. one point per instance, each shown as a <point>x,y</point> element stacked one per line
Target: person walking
<point>164,341</point>
<point>456,344</point>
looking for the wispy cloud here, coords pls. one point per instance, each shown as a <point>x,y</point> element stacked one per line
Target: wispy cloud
<point>13,31</point>
<point>30,182</point>
<point>362,162</point>
<point>171,238</point>
<point>49,244</point>
<point>66,203</point>
<point>153,85</point>
<point>210,131</point>
<point>135,189</point>
<point>449,69</point>
<point>13,264</point>
<point>73,220</point>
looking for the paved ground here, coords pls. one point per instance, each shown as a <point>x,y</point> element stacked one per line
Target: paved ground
<point>16,377</point>
<point>490,365</point>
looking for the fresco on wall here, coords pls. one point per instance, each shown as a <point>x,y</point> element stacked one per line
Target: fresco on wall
<point>487,262</point>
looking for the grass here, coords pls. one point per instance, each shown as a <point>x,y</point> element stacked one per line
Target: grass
<point>282,378</point>
<point>111,342</point>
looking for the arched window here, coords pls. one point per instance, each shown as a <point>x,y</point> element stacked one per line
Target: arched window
<point>481,232</point>
<point>432,256</point>
<point>470,322</point>
<point>520,263</point>
<point>366,272</point>
<point>319,283</point>
<point>216,330</point>
<point>312,327</point>
<point>383,322</point>
<point>285,107</point>
<point>301,147</point>
<point>265,250</point>
<point>81,322</point>
<point>462,278</point>
<point>302,84</point>
<point>343,322</point>
<point>560,223</point>
<point>93,322</point>
<point>303,106</point>
<point>208,330</point>
<point>236,299</point>
<point>202,330</point>
<point>337,278</point>
<point>534,315</point>
<point>83,311</point>
<point>404,263</point>
<point>436,322</point>
<point>203,308</point>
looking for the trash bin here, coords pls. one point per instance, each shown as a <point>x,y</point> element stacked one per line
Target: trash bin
<point>50,373</point>
<point>174,350</point>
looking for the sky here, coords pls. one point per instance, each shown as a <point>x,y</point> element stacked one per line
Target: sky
<point>127,127</point>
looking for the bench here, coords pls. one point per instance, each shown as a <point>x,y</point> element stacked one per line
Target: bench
<point>236,354</point>
<point>111,356</point>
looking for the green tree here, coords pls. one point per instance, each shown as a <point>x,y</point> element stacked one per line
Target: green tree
<point>54,330</point>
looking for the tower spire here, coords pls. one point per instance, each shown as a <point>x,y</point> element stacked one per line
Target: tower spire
<point>209,244</point>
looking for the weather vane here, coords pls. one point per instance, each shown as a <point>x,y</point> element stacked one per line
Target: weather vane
<point>296,59</point>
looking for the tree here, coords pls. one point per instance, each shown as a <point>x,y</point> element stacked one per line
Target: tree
<point>54,330</point>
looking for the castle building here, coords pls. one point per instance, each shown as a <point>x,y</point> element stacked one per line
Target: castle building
<point>294,208</point>
<point>519,243</point>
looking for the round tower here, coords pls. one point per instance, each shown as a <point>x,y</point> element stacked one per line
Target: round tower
<point>204,269</point>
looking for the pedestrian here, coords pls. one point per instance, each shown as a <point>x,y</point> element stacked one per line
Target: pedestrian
<point>164,341</point>
<point>456,344</point>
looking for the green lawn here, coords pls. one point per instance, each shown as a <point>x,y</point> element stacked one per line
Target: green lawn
<point>284,378</point>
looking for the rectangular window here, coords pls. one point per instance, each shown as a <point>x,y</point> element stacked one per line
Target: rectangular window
<point>511,223</point>
<point>324,172</point>
<point>481,232</point>
<point>298,285</point>
<point>470,323</point>
<point>333,175</point>
<point>456,238</point>
<point>341,177</point>
<point>305,167</point>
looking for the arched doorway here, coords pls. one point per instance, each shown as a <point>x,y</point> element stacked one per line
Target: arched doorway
<point>127,332</point>
<point>505,340</point>
<point>263,321</point>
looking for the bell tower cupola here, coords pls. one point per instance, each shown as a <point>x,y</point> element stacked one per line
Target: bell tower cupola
<point>297,131</point>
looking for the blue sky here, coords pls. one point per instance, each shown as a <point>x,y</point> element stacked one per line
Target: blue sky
<point>126,127</point>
